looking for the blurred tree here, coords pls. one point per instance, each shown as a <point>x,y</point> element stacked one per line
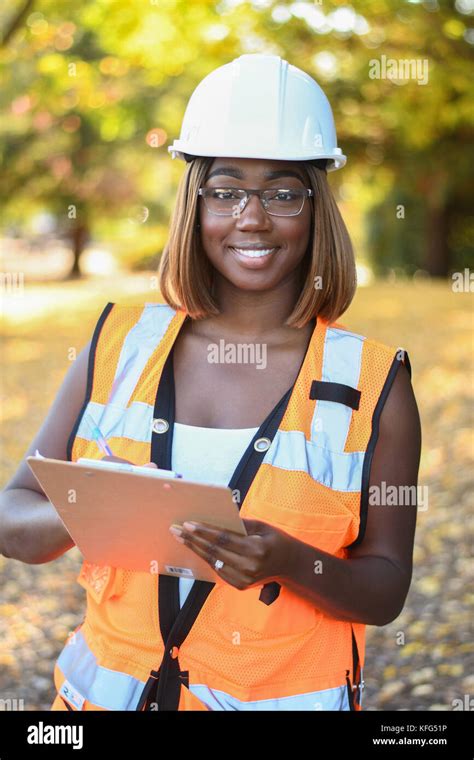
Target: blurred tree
<point>15,20</point>
<point>92,91</point>
<point>394,228</point>
<point>417,133</point>
<point>90,94</point>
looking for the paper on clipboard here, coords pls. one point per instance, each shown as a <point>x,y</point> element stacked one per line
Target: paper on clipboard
<point>122,519</point>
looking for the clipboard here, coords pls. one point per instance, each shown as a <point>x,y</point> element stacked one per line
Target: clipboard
<point>122,518</point>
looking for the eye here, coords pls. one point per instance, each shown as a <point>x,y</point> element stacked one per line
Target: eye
<point>285,195</point>
<point>224,194</point>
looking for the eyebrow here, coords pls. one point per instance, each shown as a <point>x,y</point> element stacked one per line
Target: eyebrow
<point>232,171</point>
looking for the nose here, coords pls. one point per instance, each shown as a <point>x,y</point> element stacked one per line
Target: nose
<point>253,216</point>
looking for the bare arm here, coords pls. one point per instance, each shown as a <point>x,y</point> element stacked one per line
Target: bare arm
<point>30,529</point>
<point>371,585</point>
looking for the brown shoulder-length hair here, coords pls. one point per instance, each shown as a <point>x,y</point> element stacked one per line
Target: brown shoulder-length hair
<point>327,273</point>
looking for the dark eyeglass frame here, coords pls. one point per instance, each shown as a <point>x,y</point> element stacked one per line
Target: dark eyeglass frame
<point>262,194</point>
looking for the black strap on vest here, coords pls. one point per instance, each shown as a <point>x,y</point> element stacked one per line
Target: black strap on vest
<point>90,376</point>
<point>162,690</point>
<point>342,394</point>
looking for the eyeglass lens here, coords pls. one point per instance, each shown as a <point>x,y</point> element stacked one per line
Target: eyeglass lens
<point>280,202</point>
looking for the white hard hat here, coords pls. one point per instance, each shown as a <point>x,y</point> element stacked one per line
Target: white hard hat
<point>259,106</point>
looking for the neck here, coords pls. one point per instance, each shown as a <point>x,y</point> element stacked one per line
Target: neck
<point>254,313</point>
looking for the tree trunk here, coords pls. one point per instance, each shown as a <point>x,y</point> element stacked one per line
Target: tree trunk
<point>437,255</point>
<point>79,236</point>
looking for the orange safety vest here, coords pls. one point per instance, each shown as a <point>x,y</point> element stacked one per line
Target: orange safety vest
<point>306,471</point>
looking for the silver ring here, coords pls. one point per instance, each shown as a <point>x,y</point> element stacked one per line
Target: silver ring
<point>218,564</point>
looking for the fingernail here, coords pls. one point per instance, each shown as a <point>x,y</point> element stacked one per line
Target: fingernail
<point>190,526</point>
<point>175,530</point>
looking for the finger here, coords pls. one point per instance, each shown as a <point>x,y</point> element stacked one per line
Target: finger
<point>248,548</point>
<point>228,572</point>
<point>210,550</point>
<point>232,541</point>
<point>251,548</point>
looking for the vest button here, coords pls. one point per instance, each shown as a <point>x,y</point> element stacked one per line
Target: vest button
<point>262,444</point>
<point>160,425</point>
<point>174,652</point>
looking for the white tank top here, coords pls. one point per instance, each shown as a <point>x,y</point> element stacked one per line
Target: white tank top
<point>207,455</point>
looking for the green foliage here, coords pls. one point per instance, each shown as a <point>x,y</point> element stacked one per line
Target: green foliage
<point>394,229</point>
<point>83,84</point>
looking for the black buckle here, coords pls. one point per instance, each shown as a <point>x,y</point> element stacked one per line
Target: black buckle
<point>270,592</point>
<point>152,683</point>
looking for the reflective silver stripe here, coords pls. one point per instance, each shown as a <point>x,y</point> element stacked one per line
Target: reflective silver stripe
<point>323,458</point>
<point>341,364</point>
<point>138,346</point>
<point>328,699</point>
<point>341,471</point>
<point>114,690</point>
<point>101,686</point>
<point>290,450</point>
<point>133,422</point>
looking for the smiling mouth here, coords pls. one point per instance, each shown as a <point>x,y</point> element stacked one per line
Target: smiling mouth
<point>254,253</point>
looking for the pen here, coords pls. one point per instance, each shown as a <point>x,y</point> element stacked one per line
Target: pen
<point>128,467</point>
<point>97,436</point>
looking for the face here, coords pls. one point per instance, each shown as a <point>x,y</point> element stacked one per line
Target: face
<point>287,237</point>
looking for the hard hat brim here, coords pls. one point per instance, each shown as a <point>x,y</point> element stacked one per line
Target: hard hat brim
<point>330,163</point>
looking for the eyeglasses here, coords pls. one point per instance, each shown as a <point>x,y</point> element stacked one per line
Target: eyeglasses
<point>231,201</point>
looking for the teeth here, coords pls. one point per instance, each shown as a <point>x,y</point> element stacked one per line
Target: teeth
<point>254,254</point>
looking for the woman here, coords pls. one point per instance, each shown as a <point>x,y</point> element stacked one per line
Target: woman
<point>308,436</point>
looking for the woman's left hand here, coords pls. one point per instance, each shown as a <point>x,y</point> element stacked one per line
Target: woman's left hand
<point>260,557</point>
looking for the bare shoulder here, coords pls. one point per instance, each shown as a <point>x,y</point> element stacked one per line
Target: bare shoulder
<point>400,414</point>
<point>52,438</point>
